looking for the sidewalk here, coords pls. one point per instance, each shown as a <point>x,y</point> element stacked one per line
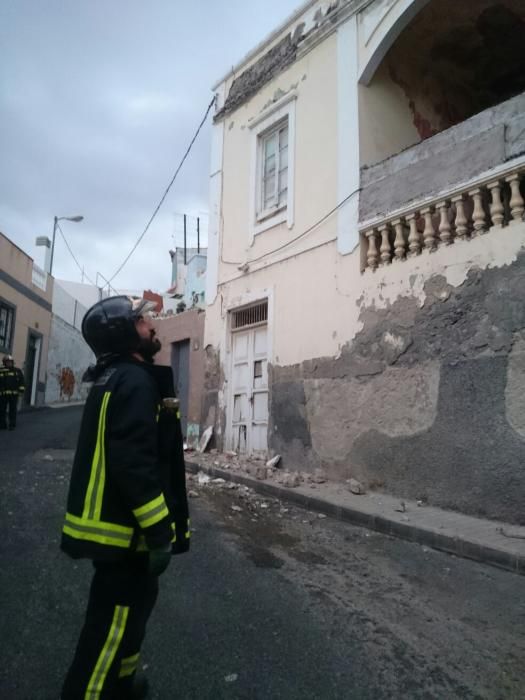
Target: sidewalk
<point>454,533</point>
<point>65,404</point>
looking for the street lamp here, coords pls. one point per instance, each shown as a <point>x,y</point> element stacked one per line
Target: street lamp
<point>75,219</point>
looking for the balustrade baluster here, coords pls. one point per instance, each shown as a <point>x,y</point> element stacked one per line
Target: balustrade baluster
<point>517,207</point>
<point>497,211</point>
<point>414,238</point>
<point>373,254</point>
<point>386,249</point>
<point>479,218</point>
<point>399,243</point>
<point>429,234</point>
<point>461,222</point>
<point>445,233</point>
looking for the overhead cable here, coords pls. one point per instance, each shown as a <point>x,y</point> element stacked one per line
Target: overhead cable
<point>296,238</point>
<point>73,256</point>
<point>186,154</point>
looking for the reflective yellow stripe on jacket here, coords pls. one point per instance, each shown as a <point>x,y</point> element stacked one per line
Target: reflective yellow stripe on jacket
<point>90,527</point>
<point>152,512</point>
<point>98,531</point>
<point>95,490</point>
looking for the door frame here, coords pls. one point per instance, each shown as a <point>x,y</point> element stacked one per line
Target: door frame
<point>31,333</point>
<point>175,352</point>
<point>238,304</point>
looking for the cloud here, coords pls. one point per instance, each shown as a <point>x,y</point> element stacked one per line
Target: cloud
<point>99,102</point>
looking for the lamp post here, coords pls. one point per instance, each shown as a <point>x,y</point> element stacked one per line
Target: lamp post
<point>75,219</point>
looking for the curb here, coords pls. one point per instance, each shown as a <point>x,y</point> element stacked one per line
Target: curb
<point>459,546</point>
<point>65,404</point>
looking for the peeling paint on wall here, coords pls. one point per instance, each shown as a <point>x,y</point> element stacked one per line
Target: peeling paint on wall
<point>427,400</point>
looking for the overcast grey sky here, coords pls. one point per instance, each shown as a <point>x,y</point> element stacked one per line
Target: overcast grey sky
<point>98,102</point>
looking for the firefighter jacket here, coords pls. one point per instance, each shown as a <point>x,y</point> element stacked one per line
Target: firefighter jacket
<point>12,381</point>
<point>128,487</point>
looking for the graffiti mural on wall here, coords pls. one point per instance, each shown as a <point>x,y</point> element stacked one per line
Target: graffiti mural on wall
<point>66,381</point>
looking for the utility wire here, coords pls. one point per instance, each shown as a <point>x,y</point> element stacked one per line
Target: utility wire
<point>297,238</point>
<point>166,192</point>
<point>73,256</point>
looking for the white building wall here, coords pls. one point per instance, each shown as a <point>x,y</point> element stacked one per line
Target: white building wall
<point>68,358</point>
<point>69,355</point>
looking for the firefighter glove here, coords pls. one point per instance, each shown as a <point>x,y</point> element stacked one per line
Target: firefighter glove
<point>159,560</point>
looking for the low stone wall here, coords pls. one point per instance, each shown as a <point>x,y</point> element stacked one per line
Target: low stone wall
<point>427,402</point>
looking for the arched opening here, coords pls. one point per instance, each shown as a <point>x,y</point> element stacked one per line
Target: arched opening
<point>453,60</point>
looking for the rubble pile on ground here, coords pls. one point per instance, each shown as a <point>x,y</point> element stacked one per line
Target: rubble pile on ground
<point>246,500</point>
<point>260,469</point>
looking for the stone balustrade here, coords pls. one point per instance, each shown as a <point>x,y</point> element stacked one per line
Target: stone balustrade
<point>465,213</point>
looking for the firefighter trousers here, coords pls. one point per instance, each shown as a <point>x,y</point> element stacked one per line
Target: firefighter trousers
<point>8,404</point>
<point>121,599</point>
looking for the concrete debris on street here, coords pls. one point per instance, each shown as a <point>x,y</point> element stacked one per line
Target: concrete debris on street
<point>273,601</point>
<point>480,539</point>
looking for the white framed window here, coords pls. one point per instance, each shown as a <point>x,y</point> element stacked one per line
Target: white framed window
<point>272,190</point>
<point>272,176</point>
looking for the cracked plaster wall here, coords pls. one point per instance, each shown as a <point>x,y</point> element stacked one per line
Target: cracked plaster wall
<point>426,402</point>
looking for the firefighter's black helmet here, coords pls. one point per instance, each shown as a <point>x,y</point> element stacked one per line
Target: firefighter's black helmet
<point>109,325</point>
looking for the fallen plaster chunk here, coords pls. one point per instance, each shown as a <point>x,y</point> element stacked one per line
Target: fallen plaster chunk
<point>205,439</point>
<point>274,461</point>
<point>356,487</point>
<point>319,477</point>
<point>291,481</point>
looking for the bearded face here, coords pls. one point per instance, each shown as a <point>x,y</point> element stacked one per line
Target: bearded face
<point>149,345</point>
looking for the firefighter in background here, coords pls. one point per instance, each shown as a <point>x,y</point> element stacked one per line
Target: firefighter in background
<point>11,387</point>
<point>127,509</point>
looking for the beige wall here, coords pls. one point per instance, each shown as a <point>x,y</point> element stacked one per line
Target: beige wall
<point>23,294</point>
<point>317,296</point>
<point>317,299</point>
<point>315,173</point>
<point>386,122</point>
<point>312,286</point>
<point>314,80</point>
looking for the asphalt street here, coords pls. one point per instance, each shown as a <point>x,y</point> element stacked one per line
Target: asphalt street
<point>271,602</point>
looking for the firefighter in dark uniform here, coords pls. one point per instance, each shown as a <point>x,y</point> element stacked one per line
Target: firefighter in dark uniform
<point>127,509</point>
<point>12,385</point>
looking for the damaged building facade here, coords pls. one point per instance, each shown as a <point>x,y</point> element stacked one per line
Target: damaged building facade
<point>366,261</point>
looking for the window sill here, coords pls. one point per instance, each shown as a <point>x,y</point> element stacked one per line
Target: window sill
<point>266,221</point>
